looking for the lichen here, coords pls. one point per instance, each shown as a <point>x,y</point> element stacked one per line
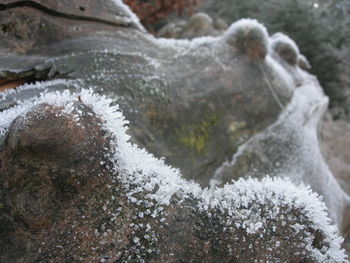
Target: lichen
<point>196,136</point>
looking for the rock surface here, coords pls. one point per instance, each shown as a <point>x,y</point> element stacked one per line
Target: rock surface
<point>72,187</point>
<point>189,102</point>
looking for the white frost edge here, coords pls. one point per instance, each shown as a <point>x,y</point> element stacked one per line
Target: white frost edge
<point>30,86</point>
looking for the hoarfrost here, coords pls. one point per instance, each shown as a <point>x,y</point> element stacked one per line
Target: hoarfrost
<point>140,172</point>
<point>43,85</point>
<point>281,192</point>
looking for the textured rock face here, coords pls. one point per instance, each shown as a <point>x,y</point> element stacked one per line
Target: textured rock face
<point>73,188</point>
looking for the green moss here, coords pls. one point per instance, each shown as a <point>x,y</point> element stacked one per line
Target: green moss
<point>196,136</point>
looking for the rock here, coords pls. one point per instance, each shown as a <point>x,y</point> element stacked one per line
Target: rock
<point>286,48</point>
<point>73,188</point>
<point>71,191</point>
<point>45,22</point>
<point>303,62</point>
<point>249,37</point>
<point>220,24</point>
<point>172,30</point>
<point>199,24</point>
<point>290,148</point>
<point>183,98</point>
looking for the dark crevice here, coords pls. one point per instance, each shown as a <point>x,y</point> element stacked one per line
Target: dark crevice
<point>7,84</point>
<point>8,76</point>
<point>11,80</point>
<point>47,10</point>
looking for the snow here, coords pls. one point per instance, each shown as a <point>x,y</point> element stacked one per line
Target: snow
<point>149,181</point>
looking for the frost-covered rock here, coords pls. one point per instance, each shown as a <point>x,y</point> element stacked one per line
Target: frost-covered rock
<point>183,98</point>
<point>286,48</point>
<point>303,62</point>
<point>69,145</point>
<point>290,148</point>
<point>74,187</point>
<point>249,37</point>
